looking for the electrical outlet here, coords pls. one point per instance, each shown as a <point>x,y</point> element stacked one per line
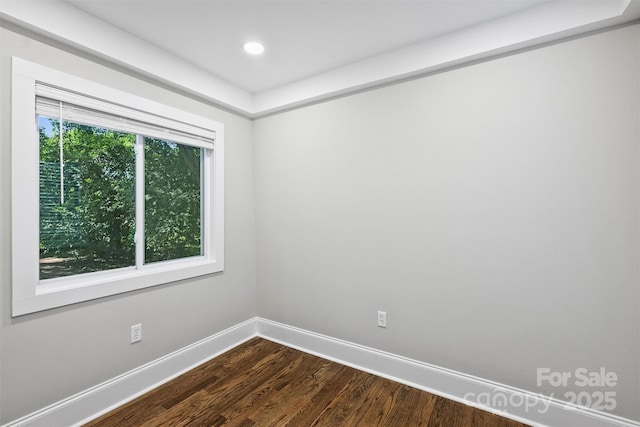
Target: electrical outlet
<point>136,333</point>
<point>382,319</point>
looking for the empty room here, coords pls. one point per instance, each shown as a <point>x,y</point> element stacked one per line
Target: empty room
<point>320,213</point>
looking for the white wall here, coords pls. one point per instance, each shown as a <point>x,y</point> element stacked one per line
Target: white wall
<point>492,211</point>
<point>51,355</point>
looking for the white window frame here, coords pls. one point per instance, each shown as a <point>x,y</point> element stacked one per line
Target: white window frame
<point>29,293</point>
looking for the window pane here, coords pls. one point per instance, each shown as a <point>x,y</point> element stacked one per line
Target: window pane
<point>87,212</point>
<point>172,200</point>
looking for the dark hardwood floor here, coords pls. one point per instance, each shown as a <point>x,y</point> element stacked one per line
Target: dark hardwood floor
<point>261,383</point>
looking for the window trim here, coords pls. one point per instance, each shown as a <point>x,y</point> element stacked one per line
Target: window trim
<point>28,294</point>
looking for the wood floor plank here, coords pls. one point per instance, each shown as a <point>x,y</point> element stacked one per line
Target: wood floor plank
<point>183,413</point>
<point>244,383</point>
<point>208,375</point>
<point>262,383</point>
<point>265,406</point>
<point>449,413</point>
<point>375,404</point>
<point>348,402</point>
<point>413,408</point>
<point>338,377</point>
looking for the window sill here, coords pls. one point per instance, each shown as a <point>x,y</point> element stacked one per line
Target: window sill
<point>53,293</point>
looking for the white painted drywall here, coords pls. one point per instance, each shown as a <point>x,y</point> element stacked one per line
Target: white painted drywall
<point>53,354</point>
<point>491,211</point>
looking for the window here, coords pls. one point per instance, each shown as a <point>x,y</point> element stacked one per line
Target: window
<point>110,192</point>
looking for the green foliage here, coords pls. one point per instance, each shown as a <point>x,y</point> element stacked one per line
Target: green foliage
<point>172,200</point>
<point>106,161</point>
<point>60,224</point>
<point>96,222</point>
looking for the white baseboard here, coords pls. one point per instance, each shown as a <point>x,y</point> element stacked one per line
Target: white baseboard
<point>89,404</point>
<point>529,408</point>
<point>526,407</point>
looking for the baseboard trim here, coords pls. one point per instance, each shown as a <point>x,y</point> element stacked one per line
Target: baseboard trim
<point>91,403</point>
<point>509,402</point>
<point>520,405</point>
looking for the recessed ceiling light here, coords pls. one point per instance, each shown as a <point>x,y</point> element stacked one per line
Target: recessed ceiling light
<point>254,48</point>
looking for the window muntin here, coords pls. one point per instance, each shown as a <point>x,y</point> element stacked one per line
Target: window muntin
<point>41,91</point>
